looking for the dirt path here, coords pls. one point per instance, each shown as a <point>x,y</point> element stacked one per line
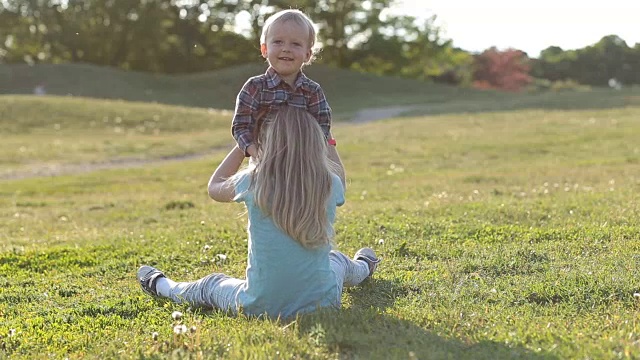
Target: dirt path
<point>48,170</point>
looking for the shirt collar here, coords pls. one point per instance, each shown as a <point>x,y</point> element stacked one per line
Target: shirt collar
<point>273,79</point>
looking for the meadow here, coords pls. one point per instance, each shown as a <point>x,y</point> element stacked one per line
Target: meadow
<point>508,230</point>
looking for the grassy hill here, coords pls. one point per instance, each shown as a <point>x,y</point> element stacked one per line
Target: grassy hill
<point>347,91</point>
<point>506,235</point>
<point>42,133</point>
<point>217,89</point>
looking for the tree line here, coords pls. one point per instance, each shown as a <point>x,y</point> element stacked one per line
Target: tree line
<point>186,36</point>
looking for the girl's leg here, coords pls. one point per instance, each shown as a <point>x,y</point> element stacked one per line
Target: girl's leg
<point>348,272</point>
<point>212,291</point>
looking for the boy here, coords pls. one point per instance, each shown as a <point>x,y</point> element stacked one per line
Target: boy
<point>286,43</point>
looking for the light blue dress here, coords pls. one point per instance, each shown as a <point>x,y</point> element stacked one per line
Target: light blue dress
<point>283,278</point>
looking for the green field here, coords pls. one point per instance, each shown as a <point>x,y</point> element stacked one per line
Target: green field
<point>346,91</point>
<point>508,230</point>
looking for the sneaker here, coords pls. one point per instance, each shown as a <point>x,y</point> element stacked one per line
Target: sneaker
<point>369,256</point>
<point>148,276</point>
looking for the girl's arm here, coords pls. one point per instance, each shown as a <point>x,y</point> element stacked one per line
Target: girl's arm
<point>335,157</point>
<point>219,188</point>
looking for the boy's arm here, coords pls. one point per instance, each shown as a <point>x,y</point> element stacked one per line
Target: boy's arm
<point>242,125</point>
<point>319,107</point>
<point>219,188</point>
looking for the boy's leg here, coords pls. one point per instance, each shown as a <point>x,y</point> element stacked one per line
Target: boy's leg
<point>212,291</point>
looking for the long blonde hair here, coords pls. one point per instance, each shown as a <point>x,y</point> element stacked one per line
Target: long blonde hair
<point>292,180</point>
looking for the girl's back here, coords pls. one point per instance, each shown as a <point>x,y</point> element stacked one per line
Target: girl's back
<point>283,276</point>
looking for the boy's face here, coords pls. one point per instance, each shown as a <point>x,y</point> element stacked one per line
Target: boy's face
<point>287,49</point>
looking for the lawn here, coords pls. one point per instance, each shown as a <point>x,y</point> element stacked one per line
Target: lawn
<point>505,234</point>
<point>347,91</point>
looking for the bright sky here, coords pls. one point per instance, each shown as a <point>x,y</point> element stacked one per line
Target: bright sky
<point>531,26</point>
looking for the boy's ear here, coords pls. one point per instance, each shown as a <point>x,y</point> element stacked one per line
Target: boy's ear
<point>309,54</point>
<point>263,50</point>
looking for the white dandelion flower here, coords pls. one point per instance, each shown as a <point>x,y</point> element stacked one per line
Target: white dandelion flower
<point>176,315</point>
<point>179,329</point>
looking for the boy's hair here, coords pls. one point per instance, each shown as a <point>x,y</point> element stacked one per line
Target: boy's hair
<point>292,180</point>
<point>299,18</point>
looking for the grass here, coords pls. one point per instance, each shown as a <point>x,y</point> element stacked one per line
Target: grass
<point>47,133</point>
<point>347,91</point>
<point>216,89</point>
<point>510,234</point>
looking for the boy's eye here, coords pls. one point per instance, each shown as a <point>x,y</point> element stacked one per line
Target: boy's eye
<point>277,41</point>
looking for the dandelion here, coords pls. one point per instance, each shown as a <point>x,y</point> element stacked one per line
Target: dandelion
<point>636,295</point>
<point>202,222</point>
<point>381,242</point>
<point>154,336</point>
<point>206,247</point>
<point>12,332</point>
<point>179,329</point>
<point>176,315</point>
<point>221,257</point>
<point>193,329</point>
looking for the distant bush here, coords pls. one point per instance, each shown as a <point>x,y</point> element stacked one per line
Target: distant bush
<point>540,85</point>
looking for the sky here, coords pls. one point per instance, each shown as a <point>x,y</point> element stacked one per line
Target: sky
<point>530,26</point>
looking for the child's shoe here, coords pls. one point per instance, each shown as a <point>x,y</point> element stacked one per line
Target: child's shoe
<point>148,276</point>
<point>368,256</point>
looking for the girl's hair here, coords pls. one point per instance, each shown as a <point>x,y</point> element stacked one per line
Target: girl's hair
<point>299,18</point>
<point>292,180</point>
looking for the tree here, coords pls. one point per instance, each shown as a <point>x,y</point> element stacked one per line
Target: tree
<point>503,70</point>
<point>145,35</point>
<point>610,57</point>
<point>403,46</point>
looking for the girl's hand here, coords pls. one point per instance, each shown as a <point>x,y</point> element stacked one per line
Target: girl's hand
<point>219,188</point>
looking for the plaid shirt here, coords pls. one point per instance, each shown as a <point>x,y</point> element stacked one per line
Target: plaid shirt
<point>262,95</point>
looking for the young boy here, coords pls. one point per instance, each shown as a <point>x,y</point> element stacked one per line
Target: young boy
<point>286,42</point>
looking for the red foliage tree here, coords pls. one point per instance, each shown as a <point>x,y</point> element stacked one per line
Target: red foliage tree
<point>503,70</point>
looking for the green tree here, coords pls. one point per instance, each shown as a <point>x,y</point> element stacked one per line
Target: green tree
<point>609,58</point>
<point>145,35</point>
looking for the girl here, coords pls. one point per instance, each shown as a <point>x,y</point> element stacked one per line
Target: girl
<point>291,194</point>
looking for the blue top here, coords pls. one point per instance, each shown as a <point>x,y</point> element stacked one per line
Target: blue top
<point>283,278</point>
